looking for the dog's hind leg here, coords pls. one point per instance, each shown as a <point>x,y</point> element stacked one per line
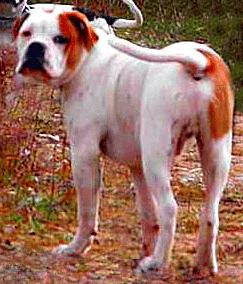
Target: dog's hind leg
<point>215,156</point>
<point>156,155</point>
<point>150,227</point>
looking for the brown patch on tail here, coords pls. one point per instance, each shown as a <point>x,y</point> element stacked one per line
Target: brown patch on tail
<point>220,109</point>
<point>76,27</point>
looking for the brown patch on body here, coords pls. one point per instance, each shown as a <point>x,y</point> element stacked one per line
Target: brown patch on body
<point>49,11</point>
<point>103,144</point>
<point>75,26</point>
<point>220,109</point>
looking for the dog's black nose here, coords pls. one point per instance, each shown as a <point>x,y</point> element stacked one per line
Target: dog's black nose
<point>35,56</point>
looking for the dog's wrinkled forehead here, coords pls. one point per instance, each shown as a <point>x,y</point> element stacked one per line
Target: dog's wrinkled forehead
<point>41,22</point>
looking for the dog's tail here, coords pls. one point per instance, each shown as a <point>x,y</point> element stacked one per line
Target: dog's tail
<point>220,109</point>
<point>123,23</point>
<point>182,52</point>
<point>201,61</point>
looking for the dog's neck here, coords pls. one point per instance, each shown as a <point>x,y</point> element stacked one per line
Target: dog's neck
<point>88,61</point>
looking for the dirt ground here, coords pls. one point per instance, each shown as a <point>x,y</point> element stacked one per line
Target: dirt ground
<point>25,254</point>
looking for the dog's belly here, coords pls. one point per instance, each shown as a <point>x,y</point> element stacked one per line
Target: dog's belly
<point>123,136</point>
<point>124,150</point>
<point>124,113</point>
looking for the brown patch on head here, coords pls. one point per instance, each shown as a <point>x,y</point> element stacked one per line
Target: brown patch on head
<point>220,108</point>
<point>76,27</point>
<point>17,25</point>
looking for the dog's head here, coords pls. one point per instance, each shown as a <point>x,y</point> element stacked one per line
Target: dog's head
<point>51,43</point>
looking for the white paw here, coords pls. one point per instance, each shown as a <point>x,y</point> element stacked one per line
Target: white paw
<point>71,249</point>
<point>206,262</point>
<point>65,249</point>
<point>147,264</point>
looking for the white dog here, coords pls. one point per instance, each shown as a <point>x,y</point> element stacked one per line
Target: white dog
<point>138,112</point>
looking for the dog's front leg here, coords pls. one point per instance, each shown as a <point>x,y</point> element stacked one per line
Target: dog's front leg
<point>85,158</point>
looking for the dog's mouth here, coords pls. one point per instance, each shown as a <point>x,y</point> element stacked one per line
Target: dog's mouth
<point>27,69</point>
<point>32,63</point>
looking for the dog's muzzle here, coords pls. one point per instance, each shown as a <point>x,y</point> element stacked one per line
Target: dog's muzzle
<point>34,58</point>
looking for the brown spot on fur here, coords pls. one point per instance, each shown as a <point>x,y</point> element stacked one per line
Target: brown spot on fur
<point>209,224</point>
<point>93,233</point>
<point>49,11</point>
<point>149,239</point>
<point>103,144</point>
<point>145,249</point>
<point>220,109</point>
<point>156,228</point>
<point>192,67</point>
<point>76,27</point>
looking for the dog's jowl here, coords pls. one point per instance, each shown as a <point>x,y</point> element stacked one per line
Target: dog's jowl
<point>141,105</point>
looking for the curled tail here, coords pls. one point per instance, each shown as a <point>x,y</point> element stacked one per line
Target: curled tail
<point>181,52</point>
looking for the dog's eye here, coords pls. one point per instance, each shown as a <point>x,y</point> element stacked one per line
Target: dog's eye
<point>60,39</point>
<point>26,33</point>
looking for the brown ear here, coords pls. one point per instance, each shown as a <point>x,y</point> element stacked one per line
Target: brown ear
<point>17,25</point>
<point>76,27</point>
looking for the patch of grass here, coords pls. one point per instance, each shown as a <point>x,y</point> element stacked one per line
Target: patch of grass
<point>17,218</point>
<point>189,221</point>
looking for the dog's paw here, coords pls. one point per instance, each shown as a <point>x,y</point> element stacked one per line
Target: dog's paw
<point>65,249</point>
<point>71,250</point>
<point>201,270</point>
<point>148,264</point>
